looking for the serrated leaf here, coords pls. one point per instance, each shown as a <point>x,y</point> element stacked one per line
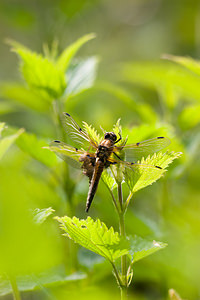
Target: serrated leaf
<point>81,75</point>
<point>7,141</point>
<point>92,133</point>
<point>95,236</point>
<point>64,59</point>
<point>117,128</point>
<point>141,248</point>
<point>41,74</point>
<point>40,215</point>
<point>34,146</point>
<point>145,174</point>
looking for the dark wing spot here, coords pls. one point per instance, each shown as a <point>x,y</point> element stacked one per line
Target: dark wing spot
<point>67,114</point>
<point>80,129</point>
<point>137,144</point>
<point>158,167</point>
<point>132,163</point>
<point>160,137</point>
<point>76,148</point>
<point>56,141</point>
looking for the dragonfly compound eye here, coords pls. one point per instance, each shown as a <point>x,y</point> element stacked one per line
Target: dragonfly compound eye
<point>110,136</point>
<point>107,135</point>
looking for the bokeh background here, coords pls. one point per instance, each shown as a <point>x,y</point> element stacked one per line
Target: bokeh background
<point>131,82</point>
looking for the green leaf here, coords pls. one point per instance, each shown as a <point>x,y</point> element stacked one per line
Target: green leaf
<point>188,62</point>
<point>40,215</point>
<point>140,176</point>
<point>189,117</point>
<point>92,133</point>
<point>94,235</point>
<point>164,77</point>
<point>64,59</point>
<point>41,74</point>
<point>23,96</point>
<point>34,146</point>
<point>7,141</point>
<point>141,248</point>
<point>81,75</point>
<point>56,276</point>
<point>6,108</point>
<point>108,179</point>
<point>142,109</point>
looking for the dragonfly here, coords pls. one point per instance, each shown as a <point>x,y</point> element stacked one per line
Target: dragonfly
<point>100,156</point>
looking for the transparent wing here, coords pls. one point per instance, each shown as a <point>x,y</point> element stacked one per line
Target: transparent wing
<point>68,153</point>
<point>134,152</point>
<point>75,132</point>
<point>129,165</point>
<point>136,175</point>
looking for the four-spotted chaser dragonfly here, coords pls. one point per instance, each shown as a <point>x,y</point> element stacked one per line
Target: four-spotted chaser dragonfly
<point>102,155</point>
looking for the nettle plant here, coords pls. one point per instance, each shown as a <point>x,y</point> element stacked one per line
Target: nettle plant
<point>50,80</point>
<point>108,159</point>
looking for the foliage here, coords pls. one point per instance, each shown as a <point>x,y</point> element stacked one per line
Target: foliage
<point>94,235</point>
<point>33,146</point>
<point>33,185</point>
<point>148,172</point>
<point>7,141</point>
<point>40,215</point>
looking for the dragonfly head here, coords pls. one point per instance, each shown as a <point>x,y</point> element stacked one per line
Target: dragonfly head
<point>110,136</point>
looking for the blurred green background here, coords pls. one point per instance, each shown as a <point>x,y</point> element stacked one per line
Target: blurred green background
<point>128,81</point>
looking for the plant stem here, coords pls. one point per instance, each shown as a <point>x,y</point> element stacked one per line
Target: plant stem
<point>127,201</point>
<point>123,293</point>
<point>117,275</point>
<point>113,199</point>
<point>123,234</point>
<point>15,291</point>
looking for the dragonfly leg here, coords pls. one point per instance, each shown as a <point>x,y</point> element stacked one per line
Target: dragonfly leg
<point>120,137</point>
<point>117,155</point>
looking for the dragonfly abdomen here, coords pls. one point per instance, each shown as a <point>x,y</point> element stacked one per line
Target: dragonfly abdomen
<point>99,166</point>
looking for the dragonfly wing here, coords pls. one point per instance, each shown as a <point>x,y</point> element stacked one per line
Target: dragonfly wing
<point>134,152</point>
<point>68,153</point>
<point>76,133</point>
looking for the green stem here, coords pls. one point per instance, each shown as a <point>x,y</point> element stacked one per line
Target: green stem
<point>114,200</point>
<point>15,291</point>
<point>120,197</point>
<point>123,234</point>
<point>127,201</point>
<point>124,293</point>
<point>117,275</point>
